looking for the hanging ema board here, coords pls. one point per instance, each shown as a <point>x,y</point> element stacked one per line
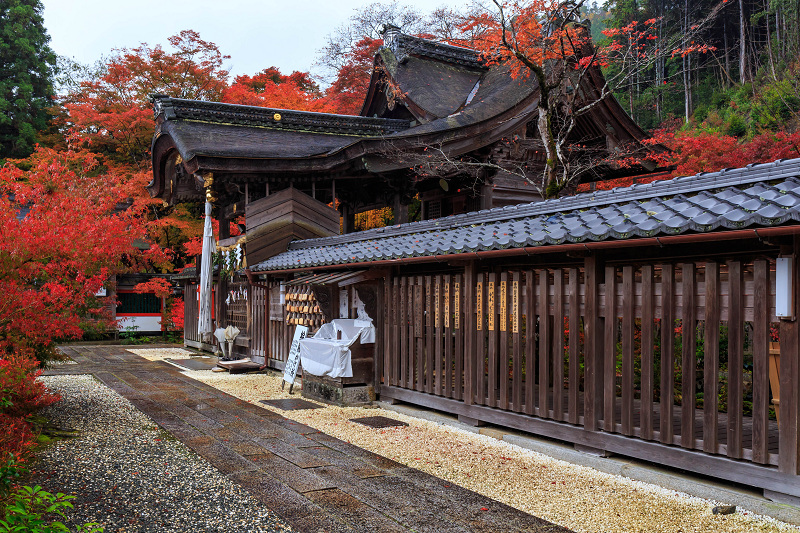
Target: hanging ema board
<point>293,361</point>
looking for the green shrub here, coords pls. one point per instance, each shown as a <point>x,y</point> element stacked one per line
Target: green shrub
<point>31,508</point>
<point>736,126</point>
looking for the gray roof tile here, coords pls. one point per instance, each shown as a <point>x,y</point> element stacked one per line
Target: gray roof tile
<point>755,196</point>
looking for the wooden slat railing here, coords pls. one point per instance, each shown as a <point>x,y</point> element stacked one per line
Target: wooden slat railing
<point>637,351</point>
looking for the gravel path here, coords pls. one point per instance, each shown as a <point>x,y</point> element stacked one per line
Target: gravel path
<point>577,497</point>
<point>131,476</point>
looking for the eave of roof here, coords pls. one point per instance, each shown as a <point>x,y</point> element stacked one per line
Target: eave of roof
<point>765,195</point>
<point>277,119</point>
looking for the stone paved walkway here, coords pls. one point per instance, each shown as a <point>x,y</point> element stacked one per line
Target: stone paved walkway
<point>312,480</point>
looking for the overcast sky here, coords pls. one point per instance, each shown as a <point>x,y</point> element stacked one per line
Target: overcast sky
<point>256,34</point>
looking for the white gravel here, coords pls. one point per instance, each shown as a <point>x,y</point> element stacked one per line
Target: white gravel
<point>131,476</point>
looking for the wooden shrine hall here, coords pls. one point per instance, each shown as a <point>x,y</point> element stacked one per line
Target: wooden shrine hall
<point>656,321</point>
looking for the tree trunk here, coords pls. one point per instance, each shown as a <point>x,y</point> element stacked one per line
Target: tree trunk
<point>546,133</point>
<point>686,65</point>
<point>742,45</point>
<point>727,53</point>
<point>769,43</point>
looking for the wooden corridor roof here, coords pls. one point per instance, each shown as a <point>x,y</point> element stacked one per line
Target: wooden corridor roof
<point>757,196</point>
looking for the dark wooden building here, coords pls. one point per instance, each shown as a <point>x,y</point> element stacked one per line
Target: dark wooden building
<point>656,321</point>
<point>422,95</point>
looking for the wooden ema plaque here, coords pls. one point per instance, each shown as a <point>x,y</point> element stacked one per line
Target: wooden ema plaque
<point>457,305</point>
<point>436,304</point>
<point>515,306</point>
<point>490,304</point>
<point>447,305</point>
<point>503,305</point>
<point>479,306</point>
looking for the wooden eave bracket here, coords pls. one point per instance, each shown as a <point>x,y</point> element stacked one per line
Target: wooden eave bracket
<point>369,275</point>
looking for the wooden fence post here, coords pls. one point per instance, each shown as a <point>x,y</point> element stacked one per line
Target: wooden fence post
<point>789,429</point>
<point>470,319</point>
<point>593,349</point>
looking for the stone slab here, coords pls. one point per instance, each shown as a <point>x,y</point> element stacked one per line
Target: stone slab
<point>379,422</point>
<point>291,404</point>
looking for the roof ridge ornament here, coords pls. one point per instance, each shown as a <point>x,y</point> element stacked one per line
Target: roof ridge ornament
<point>403,46</point>
<point>391,35</point>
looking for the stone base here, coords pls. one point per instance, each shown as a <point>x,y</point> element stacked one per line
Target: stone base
<point>331,391</point>
<point>780,497</point>
<point>474,422</point>
<point>588,450</point>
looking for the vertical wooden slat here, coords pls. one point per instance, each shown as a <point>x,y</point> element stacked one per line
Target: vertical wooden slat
<point>711,359</point>
<point>389,325</point>
<point>470,320</point>
<point>396,334</point>
<point>558,344</point>
<point>502,371</point>
<point>574,348</point>
<point>438,339</point>
<point>610,350</point>
<point>544,343</point>
<point>735,358</point>
<point>419,331</point>
<point>593,348</point>
<point>404,335</point>
<point>381,337</point>
<point>479,372</point>
<point>431,313</point>
<point>628,301</point>
<point>648,315</point>
<point>688,355</point>
<point>491,327</point>
<point>447,373</point>
<point>789,423</point>
<point>530,340</point>
<point>516,340</point>
<point>667,351</point>
<point>458,327</point>
<point>760,361</point>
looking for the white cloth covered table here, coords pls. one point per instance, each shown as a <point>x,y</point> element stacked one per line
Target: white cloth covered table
<point>327,353</point>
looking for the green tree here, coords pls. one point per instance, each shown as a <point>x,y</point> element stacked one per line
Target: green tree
<point>26,67</point>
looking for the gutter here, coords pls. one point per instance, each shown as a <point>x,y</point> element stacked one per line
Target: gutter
<point>759,233</point>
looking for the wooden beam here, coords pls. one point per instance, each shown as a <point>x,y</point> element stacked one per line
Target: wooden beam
<point>710,465</point>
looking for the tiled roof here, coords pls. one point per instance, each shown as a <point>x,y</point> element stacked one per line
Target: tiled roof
<point>758,195</point>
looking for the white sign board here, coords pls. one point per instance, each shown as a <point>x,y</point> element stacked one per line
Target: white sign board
<point>293,362</point>
<point>344,304</point>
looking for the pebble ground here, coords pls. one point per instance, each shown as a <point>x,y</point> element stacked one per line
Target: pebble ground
<point>130,476</point>
<point>577,497</point>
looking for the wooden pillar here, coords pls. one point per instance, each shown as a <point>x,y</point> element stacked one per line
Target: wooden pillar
<point>487,200</point>
<point>593,347</point>
<point>471,351</point>
<point>348,219</point>
<point>221,308</point>
<point>400,210</point>
<point>381,334</point>
<point>789,423</point>
<point>224,228</point>
<point>267,343</point>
